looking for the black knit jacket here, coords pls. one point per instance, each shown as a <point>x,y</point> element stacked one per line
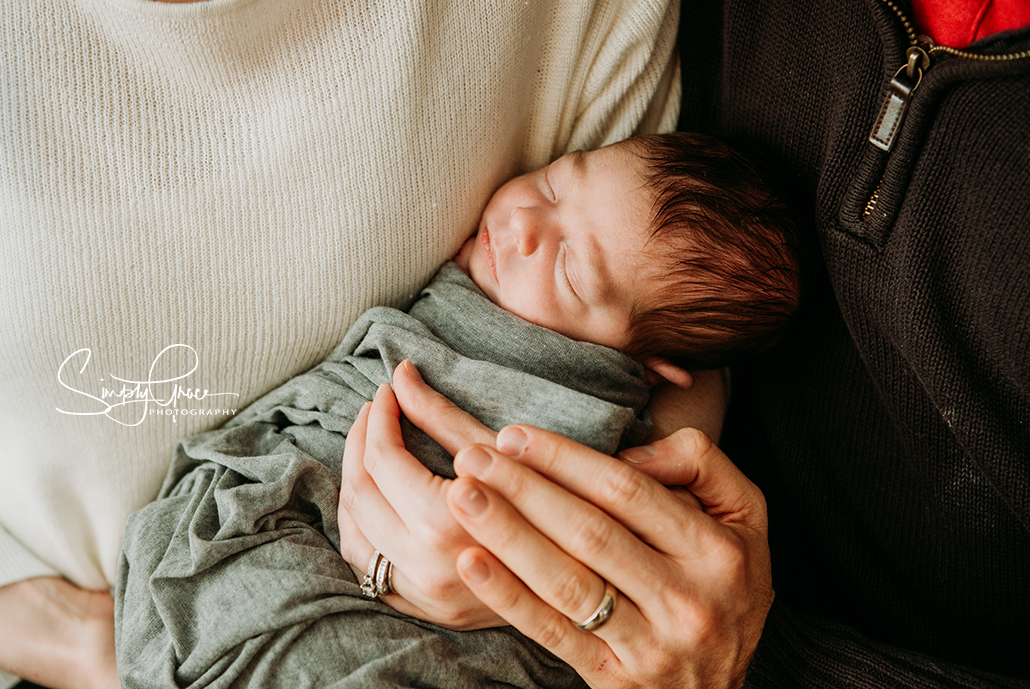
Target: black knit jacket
<point>890,432</point>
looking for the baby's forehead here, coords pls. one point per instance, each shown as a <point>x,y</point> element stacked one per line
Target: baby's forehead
<point>644,271</point>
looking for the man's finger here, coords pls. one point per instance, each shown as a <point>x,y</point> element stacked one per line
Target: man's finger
<point>688,458</point>
<point>646,507</point>
<point>510,598</point>
<point>441,419</point>
<point>559,579</point>
<point>589,528</point>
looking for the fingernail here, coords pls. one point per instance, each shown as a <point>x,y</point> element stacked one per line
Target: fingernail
<point>475,461</point>
<point>411,370</point>
<point>476,570</point>
<point>471,501</point>
<point>512,440</point>
<point>639,455</point>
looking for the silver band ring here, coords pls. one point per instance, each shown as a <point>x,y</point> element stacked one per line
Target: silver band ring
<point>603,612</point>
<point>378,578</point>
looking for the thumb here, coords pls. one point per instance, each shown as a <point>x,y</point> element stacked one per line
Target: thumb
<point>689,458</point>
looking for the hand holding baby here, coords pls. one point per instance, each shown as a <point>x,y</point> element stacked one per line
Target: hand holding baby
<point>543,528</point>
<point>561,525</point>
<point>389,498</point>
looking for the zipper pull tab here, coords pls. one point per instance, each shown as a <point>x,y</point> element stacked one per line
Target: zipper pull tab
<point>892,112</point>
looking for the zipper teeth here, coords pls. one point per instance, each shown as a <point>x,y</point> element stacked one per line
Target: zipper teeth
<point>872,201</point>
<point>977,56</point>
<point>913,39</point>
<point>933,50</point>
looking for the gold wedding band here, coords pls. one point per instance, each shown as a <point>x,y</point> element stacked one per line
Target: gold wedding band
<point>603,612</point>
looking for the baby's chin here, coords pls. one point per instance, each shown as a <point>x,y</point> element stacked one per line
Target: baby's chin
<point>462,259</point>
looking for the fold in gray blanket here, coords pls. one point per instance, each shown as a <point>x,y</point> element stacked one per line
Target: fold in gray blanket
<point>233,576</point>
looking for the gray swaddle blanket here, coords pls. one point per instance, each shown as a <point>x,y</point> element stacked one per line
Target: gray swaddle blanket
<point>233,576</point>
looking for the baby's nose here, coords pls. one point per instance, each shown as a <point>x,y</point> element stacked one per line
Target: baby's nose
<point>525,227</point>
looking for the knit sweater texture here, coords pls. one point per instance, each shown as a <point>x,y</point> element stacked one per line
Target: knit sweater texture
<point>245,177</point>
<point>891,432</point>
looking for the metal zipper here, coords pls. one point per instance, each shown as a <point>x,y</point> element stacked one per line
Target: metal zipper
<point>932,49</point>
<point>919,57</point>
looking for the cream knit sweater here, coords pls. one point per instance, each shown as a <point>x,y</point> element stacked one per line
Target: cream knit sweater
<point>243,178</point>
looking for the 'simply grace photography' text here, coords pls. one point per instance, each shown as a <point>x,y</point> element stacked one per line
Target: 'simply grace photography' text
<point>138,399</point>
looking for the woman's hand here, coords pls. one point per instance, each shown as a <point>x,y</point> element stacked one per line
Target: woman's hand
<point>391,503</point>
<point>557,520</point>
<point>57,634</point>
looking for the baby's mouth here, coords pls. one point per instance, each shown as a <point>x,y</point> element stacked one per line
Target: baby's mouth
<point>491,261</point>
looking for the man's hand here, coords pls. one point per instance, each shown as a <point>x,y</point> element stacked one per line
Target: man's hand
<point>558,521</point>
<point>701,406</point>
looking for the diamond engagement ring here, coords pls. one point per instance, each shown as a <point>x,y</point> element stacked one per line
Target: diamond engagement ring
<point>603,612</point>
<point>378,578</point>
<point>384,577</point>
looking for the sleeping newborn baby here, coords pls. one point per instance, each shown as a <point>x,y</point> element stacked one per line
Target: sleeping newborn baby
<point>587,281</point>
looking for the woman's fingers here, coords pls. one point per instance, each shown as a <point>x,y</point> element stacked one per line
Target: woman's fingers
<point>441,419</point>
<point>403,480</point>
<point>415,493</point>
<point>58,634</point>
<point>360,496</point>
<point>390,502</point>
<point>361,500</point>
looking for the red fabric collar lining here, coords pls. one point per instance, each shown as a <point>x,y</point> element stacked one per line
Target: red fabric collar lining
<point>957,23</point>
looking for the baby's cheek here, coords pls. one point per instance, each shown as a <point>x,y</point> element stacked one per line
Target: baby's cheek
<point>462,259</point>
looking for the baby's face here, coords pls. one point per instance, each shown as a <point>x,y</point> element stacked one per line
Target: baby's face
<point>561,247</point>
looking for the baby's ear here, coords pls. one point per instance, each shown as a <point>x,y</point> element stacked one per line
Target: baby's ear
<point>659,369</point>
